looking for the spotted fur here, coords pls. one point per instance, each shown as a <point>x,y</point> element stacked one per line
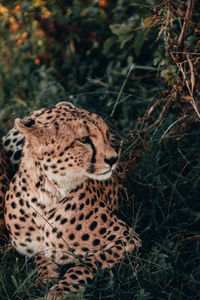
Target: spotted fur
<point>60,205</point>
<point>4,182</point>
<point>13,143</point>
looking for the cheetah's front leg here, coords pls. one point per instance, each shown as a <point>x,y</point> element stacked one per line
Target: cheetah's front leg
<point>79,276</point>
<point>74,280</point>
<point>47,270</point>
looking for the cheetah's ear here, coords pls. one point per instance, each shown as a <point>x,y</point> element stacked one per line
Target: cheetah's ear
<point>68,104</point>
<point>26,125</point>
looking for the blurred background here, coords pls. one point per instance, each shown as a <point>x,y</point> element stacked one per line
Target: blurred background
<point>82,51</point>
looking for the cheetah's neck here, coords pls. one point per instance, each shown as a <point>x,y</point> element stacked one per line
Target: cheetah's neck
<point>63,187</point>
<point>48,192</point>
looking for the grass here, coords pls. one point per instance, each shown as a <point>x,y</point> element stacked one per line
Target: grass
<point>164,206</point>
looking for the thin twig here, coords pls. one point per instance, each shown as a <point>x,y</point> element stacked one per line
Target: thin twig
<point>155,106</point>
<point>187,19</point>
<point>189,83</point>
<point>184,52</point>
<point>161,116</point>
<point>170,127</point>
<point>192,80</point>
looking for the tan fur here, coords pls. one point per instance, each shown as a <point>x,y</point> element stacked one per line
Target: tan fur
<point>60,203</point>
<point>4,182</point>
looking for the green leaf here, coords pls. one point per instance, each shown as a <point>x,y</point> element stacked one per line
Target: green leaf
<point>125,39</point>
<point>139,41</point>
<point>120,29</point>
<point>108,44</point>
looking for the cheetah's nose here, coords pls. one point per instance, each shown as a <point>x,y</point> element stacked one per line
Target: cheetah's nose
<point>111,161</point>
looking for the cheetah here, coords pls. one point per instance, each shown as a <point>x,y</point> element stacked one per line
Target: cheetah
<point>4,182</point>
<point>60,206</point>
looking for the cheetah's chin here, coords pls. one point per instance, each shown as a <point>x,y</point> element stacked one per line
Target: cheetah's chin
<point>101,176</point>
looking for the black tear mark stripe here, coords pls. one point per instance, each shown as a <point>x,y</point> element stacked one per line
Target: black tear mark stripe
<point>97,125</point>
<point>93,159</point>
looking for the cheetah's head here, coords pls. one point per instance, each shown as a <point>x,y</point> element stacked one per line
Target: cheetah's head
<point>66,142</point>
